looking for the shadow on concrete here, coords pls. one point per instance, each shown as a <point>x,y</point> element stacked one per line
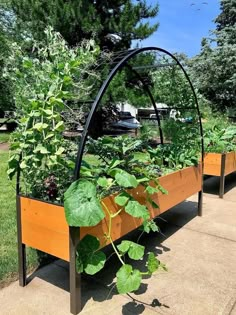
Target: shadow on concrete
<point>101,286</point>
<point>211,184</point>
<point>138,307</point>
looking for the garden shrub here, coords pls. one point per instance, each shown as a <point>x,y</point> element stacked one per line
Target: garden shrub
<point>219,135</point>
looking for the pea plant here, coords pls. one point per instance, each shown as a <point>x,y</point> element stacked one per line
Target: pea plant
<point>45,83</point>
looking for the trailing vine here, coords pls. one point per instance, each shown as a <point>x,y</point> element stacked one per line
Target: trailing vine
<point>85,205</point>
<point>116,167</point>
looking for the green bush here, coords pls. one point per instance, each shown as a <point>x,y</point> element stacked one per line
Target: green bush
<point>45,85</point>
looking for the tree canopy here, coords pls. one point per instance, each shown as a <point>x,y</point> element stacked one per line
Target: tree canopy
<point>215,67</point>
<point>113,24</point>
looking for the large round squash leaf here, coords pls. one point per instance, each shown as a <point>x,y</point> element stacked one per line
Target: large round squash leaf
<point>126,180</point>
<point>135,251</point>
<point>137,210</point>
<point>89,259</point>
<point>128,279</point>
<point>82,207</point>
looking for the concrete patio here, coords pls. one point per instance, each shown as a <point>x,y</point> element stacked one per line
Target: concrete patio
<point>200,253</point>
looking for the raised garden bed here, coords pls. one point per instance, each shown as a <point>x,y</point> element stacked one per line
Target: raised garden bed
<point>103,187</point>
<point>44,225</point>
<point>220,164</point>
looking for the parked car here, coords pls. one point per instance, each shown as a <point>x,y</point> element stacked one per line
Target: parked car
<point>126,121</point>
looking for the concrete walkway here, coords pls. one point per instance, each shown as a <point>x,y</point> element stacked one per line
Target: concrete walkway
<point>200,253</point>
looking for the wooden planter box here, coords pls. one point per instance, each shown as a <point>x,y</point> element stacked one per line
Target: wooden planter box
<point>220,164</point>
<point>43,226</point>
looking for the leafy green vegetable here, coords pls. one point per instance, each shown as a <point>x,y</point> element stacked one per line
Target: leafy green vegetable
<point>103,181</point>
<point>153,263</point>
<point>151,190</point>
<point>82,207</point>
<point>218,138</point>
<point>126,180</point>
<point>122,198</point>
<point>135,209</point>
<point>150,226</point>
<point>135,251</point>
<point>128,279</point>
<point>88,258</point>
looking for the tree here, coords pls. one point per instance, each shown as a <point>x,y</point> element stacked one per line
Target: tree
<point>214,69</point>
<point>226,22</point>
<point>114,24</point>
<point>6,102</point>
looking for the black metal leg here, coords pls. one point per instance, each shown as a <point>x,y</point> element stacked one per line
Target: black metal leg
<point>222,176</point>
<point>222,186</point>
<point>22,264</point>
<point>75,278</point>
<point>200,197</point>
<point>21,247</point>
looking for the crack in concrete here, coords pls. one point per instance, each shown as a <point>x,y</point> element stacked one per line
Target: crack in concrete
<point>232,308</point>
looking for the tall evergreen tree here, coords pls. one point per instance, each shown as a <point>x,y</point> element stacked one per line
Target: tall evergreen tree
<point>114,24</point>
<point>214,68</point>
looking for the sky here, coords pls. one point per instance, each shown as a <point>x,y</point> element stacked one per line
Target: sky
<point>183,24</point>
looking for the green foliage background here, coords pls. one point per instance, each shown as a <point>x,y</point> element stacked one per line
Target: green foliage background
<point>214,69</point>
<point>126,18</point>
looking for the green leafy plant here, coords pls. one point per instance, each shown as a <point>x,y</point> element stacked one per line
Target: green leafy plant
<point>45,84</point>
<point>174,157</point>
<point>123,163</point>
<point>85,206</point>
<point>219,136</point>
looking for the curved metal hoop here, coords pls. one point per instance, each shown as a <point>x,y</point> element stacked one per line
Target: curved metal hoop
<point>119,66</point>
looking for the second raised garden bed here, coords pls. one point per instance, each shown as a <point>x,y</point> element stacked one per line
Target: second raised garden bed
<point>220,164</point>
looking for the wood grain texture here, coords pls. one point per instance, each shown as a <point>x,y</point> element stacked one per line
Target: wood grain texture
<point>230,163</point>
<point>212,163</point>
<point>44,225</point>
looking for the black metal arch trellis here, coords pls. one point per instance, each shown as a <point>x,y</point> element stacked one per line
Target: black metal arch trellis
<point>119,62</point>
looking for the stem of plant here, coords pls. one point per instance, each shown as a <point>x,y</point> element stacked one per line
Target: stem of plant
<point>109,233</point>
<point>117,213</point>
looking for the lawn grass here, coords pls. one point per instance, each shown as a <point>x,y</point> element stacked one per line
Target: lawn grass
<point>8,232</point>
<point>4,137</point>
